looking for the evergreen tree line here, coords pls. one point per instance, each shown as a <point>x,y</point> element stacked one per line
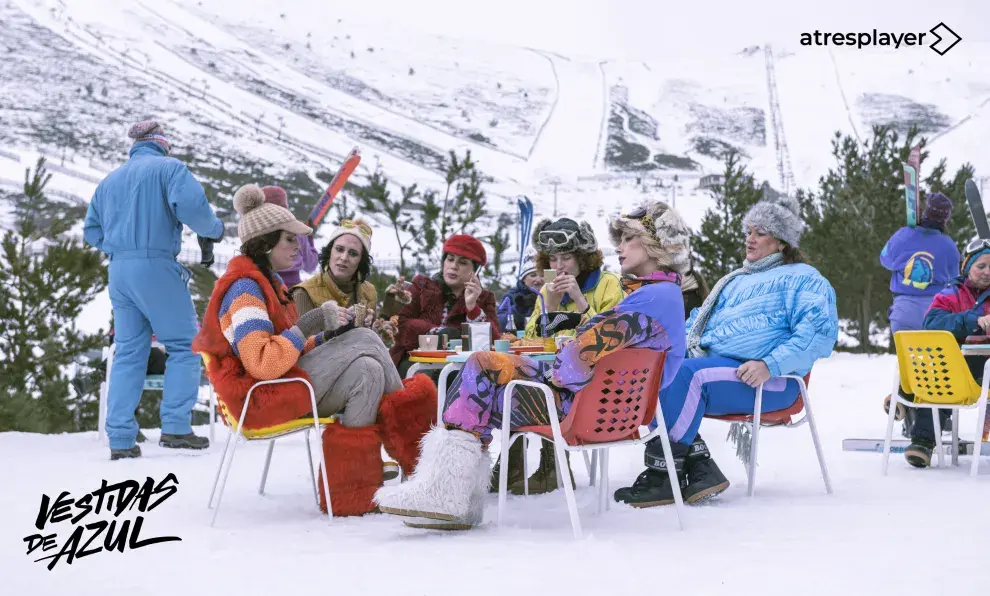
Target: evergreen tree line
<point>855,208</point>
<point>50,370</point>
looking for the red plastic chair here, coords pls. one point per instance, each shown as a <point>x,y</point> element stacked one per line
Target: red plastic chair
<point>623,396</point>
<point>787,418</point>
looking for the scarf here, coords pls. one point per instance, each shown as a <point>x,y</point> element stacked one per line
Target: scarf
<point>631,283</point>
<point>694,349</point>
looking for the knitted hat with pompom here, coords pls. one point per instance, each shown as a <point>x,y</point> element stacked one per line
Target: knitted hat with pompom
<point>259,217</point>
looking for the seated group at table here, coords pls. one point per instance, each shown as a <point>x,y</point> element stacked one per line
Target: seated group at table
<point>773,316</point>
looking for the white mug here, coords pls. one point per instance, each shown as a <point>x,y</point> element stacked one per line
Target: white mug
<point>428,342</point>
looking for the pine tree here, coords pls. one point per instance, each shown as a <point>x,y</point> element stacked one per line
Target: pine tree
<point>48,278</point>
<point>499,241</point>
<point>858,207</point>
<point>377,198</point>
<point>719,245</point>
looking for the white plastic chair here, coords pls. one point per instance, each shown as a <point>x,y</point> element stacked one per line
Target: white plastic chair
<point>779,419</point>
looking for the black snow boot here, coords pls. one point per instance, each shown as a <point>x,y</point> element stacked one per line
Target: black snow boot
<point>131,453</point>
<point>188,441</point>
<point>652,488</point>
<point>705,480</point>
<point>919,453</point>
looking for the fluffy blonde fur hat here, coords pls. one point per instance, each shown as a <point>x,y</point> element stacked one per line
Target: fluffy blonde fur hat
<point>664,234</point>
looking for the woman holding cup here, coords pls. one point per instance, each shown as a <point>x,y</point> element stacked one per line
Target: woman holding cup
<point>576,289</point>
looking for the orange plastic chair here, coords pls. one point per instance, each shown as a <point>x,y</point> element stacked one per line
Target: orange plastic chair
<point>622,396</point>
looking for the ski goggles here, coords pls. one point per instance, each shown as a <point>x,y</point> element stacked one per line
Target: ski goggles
<point>364,228</point>
<point>556,238</point>
<point>977,244</point>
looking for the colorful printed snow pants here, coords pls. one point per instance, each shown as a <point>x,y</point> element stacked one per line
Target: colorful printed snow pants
<point>474,400</point>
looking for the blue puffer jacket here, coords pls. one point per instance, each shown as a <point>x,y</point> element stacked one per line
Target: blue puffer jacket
<point>785,316</point>
<point>138,210</point>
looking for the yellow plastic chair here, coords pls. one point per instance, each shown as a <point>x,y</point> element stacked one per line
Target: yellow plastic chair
<point>270,434</point>
<point>931,366</point>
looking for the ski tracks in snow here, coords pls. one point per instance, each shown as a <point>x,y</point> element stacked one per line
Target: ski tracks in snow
<point>567,142</point>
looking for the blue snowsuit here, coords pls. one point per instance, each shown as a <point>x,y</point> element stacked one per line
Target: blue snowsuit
<point>136,217</point>
<point>785,316</point>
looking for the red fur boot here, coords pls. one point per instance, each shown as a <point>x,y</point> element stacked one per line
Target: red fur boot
<point>354,468</point>
<point>405,416</point>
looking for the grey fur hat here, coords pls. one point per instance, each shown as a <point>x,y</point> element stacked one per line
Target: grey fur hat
<point>564,235</point>
<point>780,216</point>
<point>664,234</point>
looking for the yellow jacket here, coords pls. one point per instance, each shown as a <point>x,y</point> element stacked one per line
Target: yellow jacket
<point>601,296</point>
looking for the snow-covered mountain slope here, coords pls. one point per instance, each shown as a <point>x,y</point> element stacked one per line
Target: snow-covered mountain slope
<point>581,106</point>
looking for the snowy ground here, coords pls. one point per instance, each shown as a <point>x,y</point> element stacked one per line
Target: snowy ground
<point>790,538</point>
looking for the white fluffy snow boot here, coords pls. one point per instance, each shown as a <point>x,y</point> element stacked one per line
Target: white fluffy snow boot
<point>449,483</point>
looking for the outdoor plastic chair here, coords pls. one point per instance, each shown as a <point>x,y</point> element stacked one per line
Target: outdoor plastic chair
<point>621,397</point>
<point>931,366</point>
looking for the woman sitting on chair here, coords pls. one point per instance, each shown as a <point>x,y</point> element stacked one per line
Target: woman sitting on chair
<point>252,332</point>
<point>963,309</point>
<point>453,476</point>
<point>774,316</point>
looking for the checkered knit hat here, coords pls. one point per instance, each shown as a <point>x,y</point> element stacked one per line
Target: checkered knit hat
<point>259,217</point>
<point>150,130</point>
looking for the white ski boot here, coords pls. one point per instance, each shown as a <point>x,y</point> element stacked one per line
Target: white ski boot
<point>449,484</point>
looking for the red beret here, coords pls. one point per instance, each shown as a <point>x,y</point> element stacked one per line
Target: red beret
<point>466,246</point>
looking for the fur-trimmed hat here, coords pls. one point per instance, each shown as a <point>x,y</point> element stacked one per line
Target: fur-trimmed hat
<point>150,130</point>
<point>564,235</point>
<point>259,217</point>
<point>664,234</point>
<point>466,246</point>
<point>780,216</point>
<point>357,227</point>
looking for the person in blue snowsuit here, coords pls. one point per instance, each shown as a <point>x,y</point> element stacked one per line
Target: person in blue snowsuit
<point>136,218</point>
<point>774,316</point>
<point>922,260</point>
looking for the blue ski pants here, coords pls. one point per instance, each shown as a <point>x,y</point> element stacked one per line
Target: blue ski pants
<point>709,386</point>
<point>150,295</point>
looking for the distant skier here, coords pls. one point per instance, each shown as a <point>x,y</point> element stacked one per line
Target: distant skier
<point>136,217</point>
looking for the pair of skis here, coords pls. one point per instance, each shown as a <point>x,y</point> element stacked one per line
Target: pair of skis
<point>336,185</point>
<point>912,173</point>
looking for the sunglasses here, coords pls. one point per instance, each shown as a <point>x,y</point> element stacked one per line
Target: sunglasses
<point>364,228</point>
<point>641,216</point>
<point>556,238</point>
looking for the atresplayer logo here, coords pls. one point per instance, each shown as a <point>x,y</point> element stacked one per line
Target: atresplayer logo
<point>945,39</point>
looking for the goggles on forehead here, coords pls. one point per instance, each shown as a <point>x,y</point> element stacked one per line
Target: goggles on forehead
<point>364,228</point>
<point>977,244</point>
<point>556,238</point>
